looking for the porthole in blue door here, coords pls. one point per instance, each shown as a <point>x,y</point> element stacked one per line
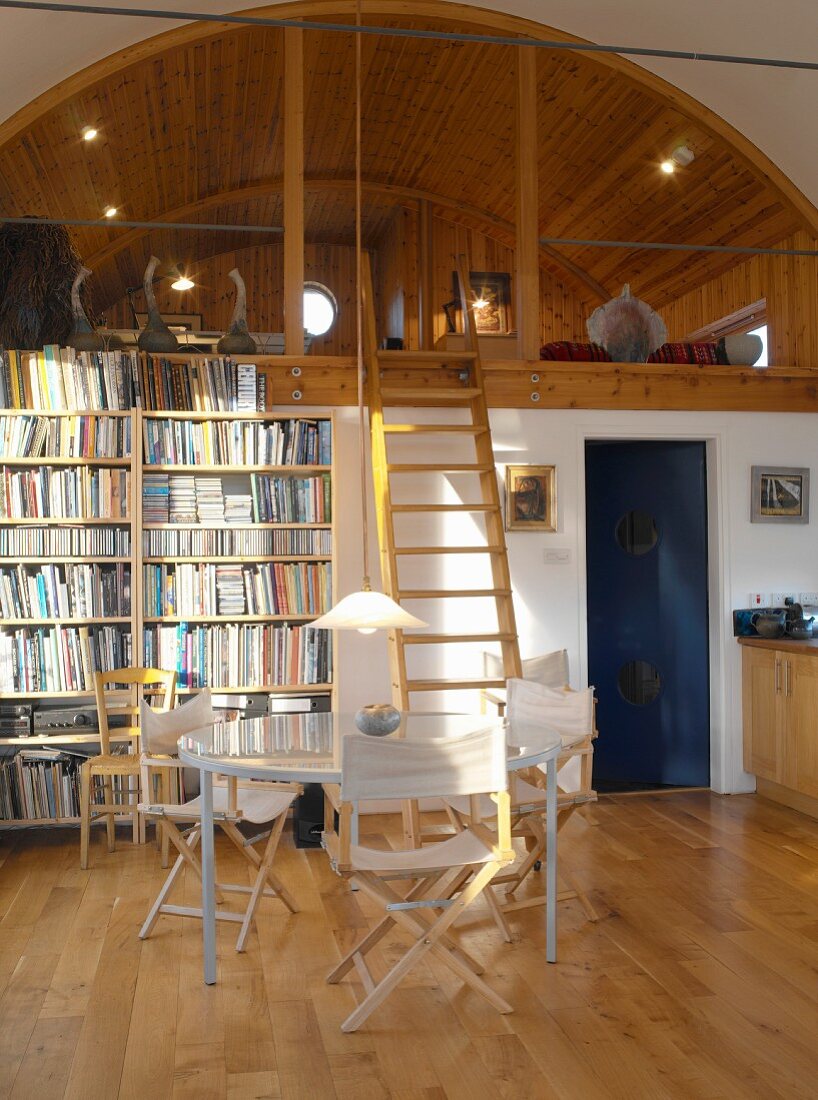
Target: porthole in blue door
<point>637,532</point>
<point>639,682</point>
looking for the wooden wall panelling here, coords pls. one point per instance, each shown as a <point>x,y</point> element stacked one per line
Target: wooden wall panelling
<point>293,191</point>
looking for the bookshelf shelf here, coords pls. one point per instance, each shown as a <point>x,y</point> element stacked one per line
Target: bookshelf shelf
<point>237,526</point>
<point>228,618</point>
<point>65,412</point>
<point>227,467</point>
<point>50,460</point>
<point>98,559</point>
<point>64,521</point>
<point>238,558</point>
<point>267,689</point>
<point>198,414</point>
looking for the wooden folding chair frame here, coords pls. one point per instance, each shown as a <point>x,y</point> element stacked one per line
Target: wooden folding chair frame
<point>412,911</point>
<point>265,884</point>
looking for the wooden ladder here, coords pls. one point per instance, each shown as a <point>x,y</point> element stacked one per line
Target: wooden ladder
<point>452,380</point>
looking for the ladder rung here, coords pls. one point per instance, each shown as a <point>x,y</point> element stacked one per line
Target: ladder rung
<point>453,685</point>
<point>449,550</point>
<point>430,394</point>
<point>452,593</point>
<point>445,508</point>
<point>439,467</point>
<point>411,429</point>
<point>443,639</point>
<point>427,357</point>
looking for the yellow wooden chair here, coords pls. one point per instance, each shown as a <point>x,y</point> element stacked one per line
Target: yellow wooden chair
<point>117,694</point>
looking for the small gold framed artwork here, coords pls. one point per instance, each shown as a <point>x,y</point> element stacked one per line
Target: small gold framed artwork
<point>531,498</point>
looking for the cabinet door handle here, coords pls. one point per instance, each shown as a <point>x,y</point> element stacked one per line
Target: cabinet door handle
<point>787,678</point>
<point>777,676</point>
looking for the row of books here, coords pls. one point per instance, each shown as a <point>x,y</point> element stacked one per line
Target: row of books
<point>69,493</point>
<point>72,591</point>
<point>291,499</point>
<point>294,588</point>
<point>61,378</point>
<point>72,436</point>
<point>237,442</point>
<point>234,542</point>
<point>240,655</point>
<point>65,542</point>
<point>62,658</point>
<point>206,384</point>
<point>179,498</point>
<point>40,783</point>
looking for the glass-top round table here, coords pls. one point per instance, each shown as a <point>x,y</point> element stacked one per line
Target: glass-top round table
<point>306,748</point>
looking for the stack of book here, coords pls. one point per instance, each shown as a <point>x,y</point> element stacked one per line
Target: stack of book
<point>60,658</point>
<point>238,508</point>
<point>60,378</point>
<point>246,397</point>
<point>291,499</point>
<point>65,542</point>
<point>209,500</point>
<point>70,493</point>
<point>40,783</point>
<point>155,498</point>
<point>31,436</point>
<point>231,542</point>
<point>85,591</point>
<point>230,590</point>
<point>182,500</point>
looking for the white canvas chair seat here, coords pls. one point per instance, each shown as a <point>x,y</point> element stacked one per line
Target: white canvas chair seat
<point>255,806</point>
<point>464,849</point>
<point>232,803</point>
<point>444,879</point>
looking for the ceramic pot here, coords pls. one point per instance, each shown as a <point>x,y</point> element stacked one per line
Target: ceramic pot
<point>769,625</point>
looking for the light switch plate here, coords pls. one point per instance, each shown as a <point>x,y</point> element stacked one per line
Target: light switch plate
<point>757,599</point>
<point>557,555</point>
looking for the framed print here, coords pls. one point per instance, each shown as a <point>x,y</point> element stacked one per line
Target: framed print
<point>531,498</point>
<point>179,322</point>
<point>779,494</point>
<point>492,289</point>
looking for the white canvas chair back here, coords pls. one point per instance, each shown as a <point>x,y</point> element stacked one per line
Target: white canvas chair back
<point>570,713</point>
<point>549,669</point>
<point>374,768</point>
<point>160,732</point>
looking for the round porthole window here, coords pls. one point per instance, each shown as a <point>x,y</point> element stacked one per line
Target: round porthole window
<point>320,309</point>
<point>637,532</point>
<point>639,682</point>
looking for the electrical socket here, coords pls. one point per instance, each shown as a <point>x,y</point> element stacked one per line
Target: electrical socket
<point>778,599</point>
<point>808,598</point>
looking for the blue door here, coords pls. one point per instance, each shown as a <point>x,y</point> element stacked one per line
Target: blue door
<point>646,522</point>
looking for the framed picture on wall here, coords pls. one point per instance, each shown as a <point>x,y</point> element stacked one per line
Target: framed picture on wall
<point>779,494</point>
<point>491,296</point>
<point>531,498</point>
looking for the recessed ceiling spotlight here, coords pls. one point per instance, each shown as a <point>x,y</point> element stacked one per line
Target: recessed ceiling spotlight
<point>110,211</point>
<point>88,133</point>
<point>668,167</point>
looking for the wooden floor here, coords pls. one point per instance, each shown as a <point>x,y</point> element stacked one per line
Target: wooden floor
<point>700,980</point>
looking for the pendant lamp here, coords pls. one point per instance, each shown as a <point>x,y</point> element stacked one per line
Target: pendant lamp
<point>365,610</point>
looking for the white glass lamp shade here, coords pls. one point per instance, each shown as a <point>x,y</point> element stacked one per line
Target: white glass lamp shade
<point>366,610</point>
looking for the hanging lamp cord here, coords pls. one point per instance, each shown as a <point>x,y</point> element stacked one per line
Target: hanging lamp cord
<point>359,302</point>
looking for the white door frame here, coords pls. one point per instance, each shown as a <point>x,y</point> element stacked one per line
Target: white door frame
<point>726,773</point>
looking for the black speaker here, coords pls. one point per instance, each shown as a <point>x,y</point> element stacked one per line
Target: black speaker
<point>308,817</point>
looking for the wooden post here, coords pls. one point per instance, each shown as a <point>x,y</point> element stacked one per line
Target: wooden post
<point>293,191</point>
<point>426,273</point>
<point>527,296</point>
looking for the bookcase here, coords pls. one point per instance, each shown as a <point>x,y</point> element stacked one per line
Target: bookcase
<point>153,510</point>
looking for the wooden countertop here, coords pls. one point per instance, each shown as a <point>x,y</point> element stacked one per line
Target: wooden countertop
<point>809,645</point>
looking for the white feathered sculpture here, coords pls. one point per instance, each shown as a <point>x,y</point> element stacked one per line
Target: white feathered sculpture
<point>627,328</point>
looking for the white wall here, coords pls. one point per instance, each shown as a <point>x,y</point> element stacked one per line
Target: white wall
<point>549,599</point>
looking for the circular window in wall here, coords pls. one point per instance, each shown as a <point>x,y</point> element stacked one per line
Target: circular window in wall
<point>639,682</point>
<point>637,532</point>
<point>320,309</point>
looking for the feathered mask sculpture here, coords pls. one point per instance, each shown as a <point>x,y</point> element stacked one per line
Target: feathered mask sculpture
<point>627,328</point>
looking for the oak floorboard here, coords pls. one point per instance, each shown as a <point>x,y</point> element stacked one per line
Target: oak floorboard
<point>698,982</point>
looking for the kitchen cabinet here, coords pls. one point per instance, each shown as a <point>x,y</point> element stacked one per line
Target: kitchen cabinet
<point>780,714</point>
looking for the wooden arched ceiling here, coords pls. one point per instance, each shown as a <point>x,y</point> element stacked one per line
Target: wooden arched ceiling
<point>202,119</point>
